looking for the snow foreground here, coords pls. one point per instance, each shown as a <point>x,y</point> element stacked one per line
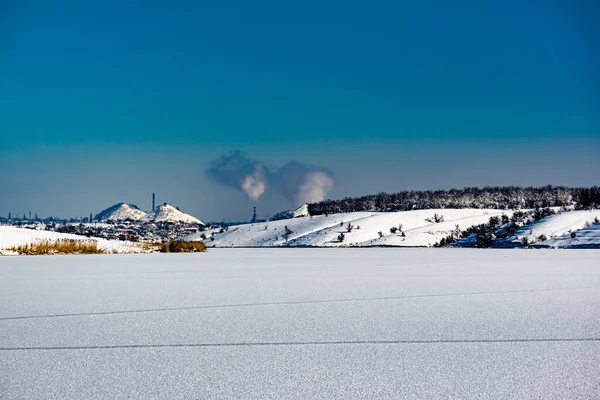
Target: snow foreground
<point>12,237</point>
<point>302,323</point>
<point>412,229</point>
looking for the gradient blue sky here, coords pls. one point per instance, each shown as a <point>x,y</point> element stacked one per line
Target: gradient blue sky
<point>101,101</point>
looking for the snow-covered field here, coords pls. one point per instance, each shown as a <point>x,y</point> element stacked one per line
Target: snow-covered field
<point>302,324</point>
<point>418,230</point>
<point>11,236</point>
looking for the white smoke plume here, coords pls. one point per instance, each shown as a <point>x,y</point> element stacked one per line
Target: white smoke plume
<point>255,184</point>
<point>301,183</point>
<point>314,187</point>
<point>238,171</point>
<point>297,182</point>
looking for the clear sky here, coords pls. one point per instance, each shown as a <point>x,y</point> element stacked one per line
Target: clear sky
<point>108,101</point>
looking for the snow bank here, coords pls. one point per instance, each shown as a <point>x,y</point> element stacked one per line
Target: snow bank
<point>11,236</point>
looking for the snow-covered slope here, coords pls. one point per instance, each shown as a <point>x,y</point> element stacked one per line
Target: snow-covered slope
<point>121,211</point>
<point>323,231</point>
<point>554,226</point>
<point>167,212</point>
<point>301,211</point>
<point>585,238</point>
<point>418,232</point>
<point>11,236</point>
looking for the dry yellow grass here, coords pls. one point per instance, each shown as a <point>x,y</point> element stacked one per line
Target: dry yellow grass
<point>60,246</point>
<point>178,246</point>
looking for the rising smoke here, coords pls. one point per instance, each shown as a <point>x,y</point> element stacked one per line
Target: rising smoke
<point>255,184</point>
<point>238,171</point>
<point>297,182</point>
<point>314,187</point>
<point>301,183</point>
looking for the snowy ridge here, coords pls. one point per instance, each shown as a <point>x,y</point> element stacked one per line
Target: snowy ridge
<point>301,211</point>
<point>121,211</point>
<point>168,213</point>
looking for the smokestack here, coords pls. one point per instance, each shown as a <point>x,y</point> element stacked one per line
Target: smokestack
<point>153,201</point>
<point>254,216</point>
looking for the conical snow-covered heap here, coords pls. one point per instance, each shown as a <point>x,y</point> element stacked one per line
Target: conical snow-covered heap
<point>168,213</point>
<point>121,211</point>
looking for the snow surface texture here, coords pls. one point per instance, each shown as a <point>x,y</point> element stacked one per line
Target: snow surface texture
<point>417,229</point>
<point>167,212</point>
<point>11,236</point>
<point>302,324</point>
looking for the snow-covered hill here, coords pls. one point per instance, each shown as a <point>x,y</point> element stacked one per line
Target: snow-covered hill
<point>585,238</point>
<point>556,226</point>
<point>301,211</point>
<point>167,212</point>
<point>324,231</point>
<point>410,229</point>
<point>11,236</point>
<point>121,211</point>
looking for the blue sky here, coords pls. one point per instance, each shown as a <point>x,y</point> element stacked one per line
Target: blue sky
<point>389,95</point>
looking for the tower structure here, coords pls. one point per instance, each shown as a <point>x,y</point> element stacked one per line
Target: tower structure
<point>153,201</point>
<point>254,216</point>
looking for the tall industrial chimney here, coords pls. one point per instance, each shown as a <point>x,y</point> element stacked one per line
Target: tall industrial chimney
<point>153,201</point>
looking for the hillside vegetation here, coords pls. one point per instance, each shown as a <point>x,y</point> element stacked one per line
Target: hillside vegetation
<point>503,198</point>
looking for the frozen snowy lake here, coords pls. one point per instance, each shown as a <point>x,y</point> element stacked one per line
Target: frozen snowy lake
<point>302,324</point>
